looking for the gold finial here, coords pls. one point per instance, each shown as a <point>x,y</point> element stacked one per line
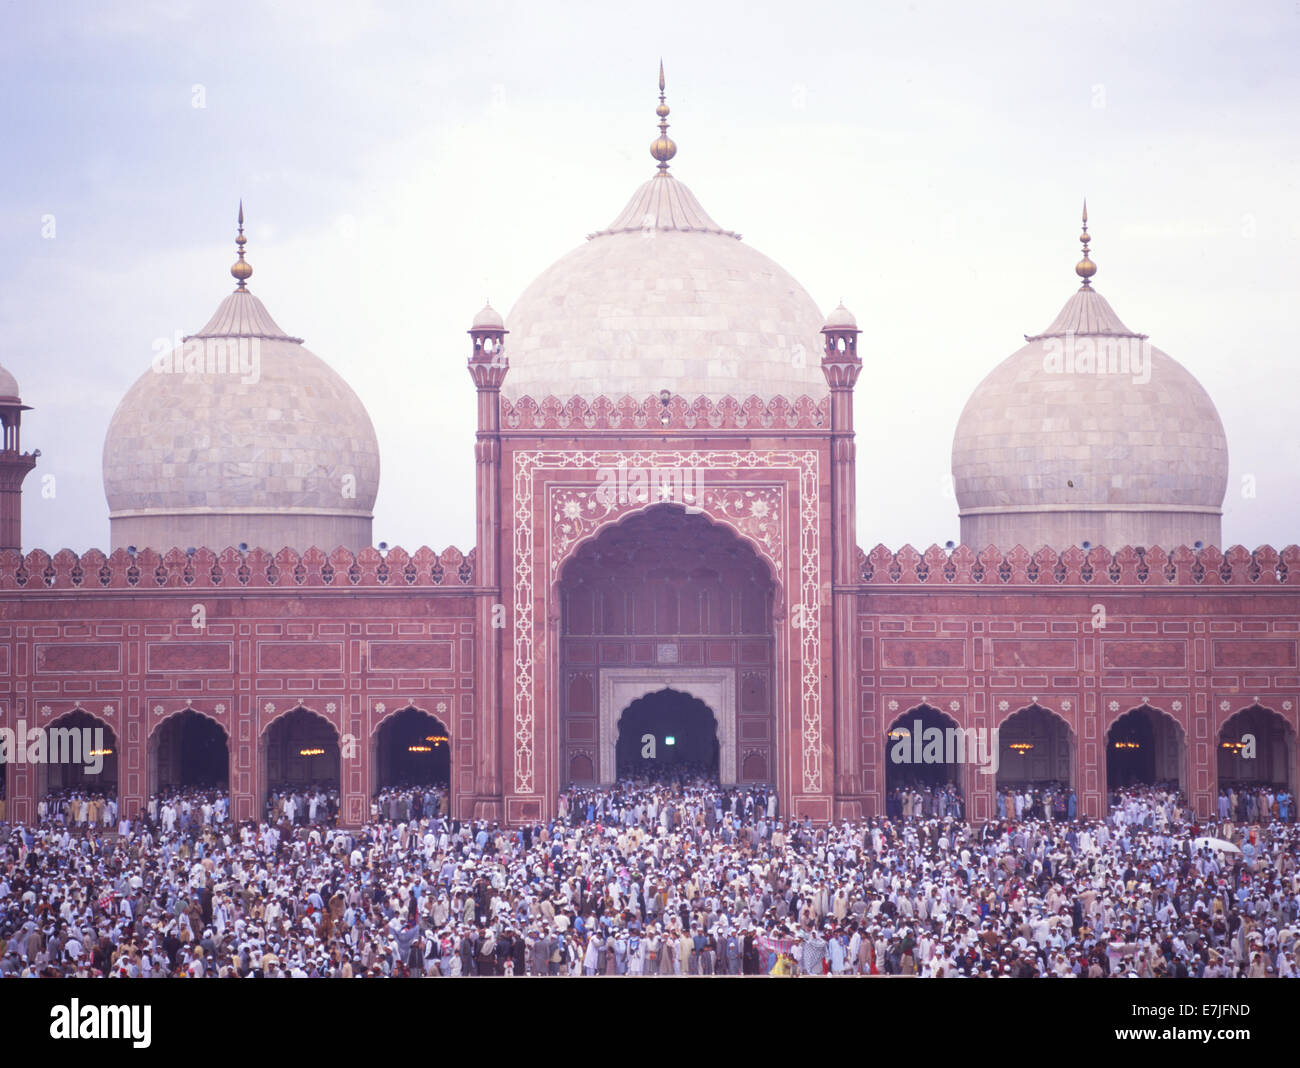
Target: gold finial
<point>241,270</point>
<point>662,148</point>
<point>1085,268</point>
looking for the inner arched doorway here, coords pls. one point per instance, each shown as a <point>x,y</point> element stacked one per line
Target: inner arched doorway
<point>412,748</point>
<point>667,599</point>
<point>79,755</point>
<point>188,751</point>
<point>925,753</point>
<point>666,732</point>
<point>300,755</point>
<point>1257,752</point>
<point>1144,747</point>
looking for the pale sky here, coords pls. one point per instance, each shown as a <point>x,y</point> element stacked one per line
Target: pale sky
<point>401,163</point>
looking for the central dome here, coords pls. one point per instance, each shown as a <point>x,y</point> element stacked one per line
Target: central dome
<point>664,298</point>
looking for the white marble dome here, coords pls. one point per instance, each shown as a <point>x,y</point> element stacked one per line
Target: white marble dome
<point>8,385</point>
<point>276,452</point>
<point>1050,452</point>
<point>488,318</point>
<point>664,298</point>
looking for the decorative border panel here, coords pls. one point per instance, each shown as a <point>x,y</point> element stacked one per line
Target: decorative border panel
<point>575,517</point>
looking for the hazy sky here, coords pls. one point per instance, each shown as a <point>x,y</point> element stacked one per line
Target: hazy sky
<point>400,163</point>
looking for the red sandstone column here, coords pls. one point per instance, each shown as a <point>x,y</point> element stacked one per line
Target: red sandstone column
<point>479,788</point>
<point>842,365</point>
<point>247,790</point>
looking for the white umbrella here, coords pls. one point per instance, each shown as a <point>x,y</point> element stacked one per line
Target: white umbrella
<point>1215,843</point>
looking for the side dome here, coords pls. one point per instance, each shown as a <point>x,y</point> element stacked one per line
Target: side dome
<point>1089,434</point>
<point>242,435</point>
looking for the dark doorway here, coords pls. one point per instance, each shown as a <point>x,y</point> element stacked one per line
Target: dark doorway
<point>923,773</point>
<point>1257,749</point>
<point>1036,749</point>
<point>191,751</point>
<point>302,749</point>
<point>1144,747</point>
<point>412,748</point>
<point>80,754</point>
<point>664,732</point>
<point>909,769</point>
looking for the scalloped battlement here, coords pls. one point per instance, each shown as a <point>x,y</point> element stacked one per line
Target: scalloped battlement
<point>602,413</point>
<point>1098,566</point>
<point>256,568</point>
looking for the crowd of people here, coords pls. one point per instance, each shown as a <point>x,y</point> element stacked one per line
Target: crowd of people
<point>669,876</point>
<point>1049,801</point>
<point>933,800</point>
<point>1255,804</point>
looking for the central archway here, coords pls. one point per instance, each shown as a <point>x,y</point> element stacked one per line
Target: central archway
<point>667,599</point>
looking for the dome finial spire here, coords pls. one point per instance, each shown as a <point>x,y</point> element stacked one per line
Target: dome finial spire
<point>241,270</point>
<point>1085,268</point>
<point>662,148</point>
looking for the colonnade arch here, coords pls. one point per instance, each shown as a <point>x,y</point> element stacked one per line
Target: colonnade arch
<point>1256,748</point>
<point>1146,746</point>
<point>298,750</point>
<point>189,749</point>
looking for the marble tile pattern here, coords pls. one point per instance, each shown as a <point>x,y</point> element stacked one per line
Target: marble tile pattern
<point>664,298</point>
<point>297,440</point>
<point>1034,441</point>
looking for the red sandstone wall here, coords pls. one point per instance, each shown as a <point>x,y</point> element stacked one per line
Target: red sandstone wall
<point>353,639</point>
<point>1198,635</point>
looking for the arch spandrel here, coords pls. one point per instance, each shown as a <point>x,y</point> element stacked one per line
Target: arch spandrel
<point>269,716</point>
<point>218,714</point>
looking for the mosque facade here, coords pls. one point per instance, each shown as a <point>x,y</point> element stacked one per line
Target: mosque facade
<point>666,533</point>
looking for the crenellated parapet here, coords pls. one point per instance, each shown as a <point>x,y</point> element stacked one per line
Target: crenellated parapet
<point>232,569</point>
<point>669,412</point>
<point>1098,566</point>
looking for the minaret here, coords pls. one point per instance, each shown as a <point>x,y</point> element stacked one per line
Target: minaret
<point>14,464</point>
<point>488,365</point>
<point>842,365</point>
